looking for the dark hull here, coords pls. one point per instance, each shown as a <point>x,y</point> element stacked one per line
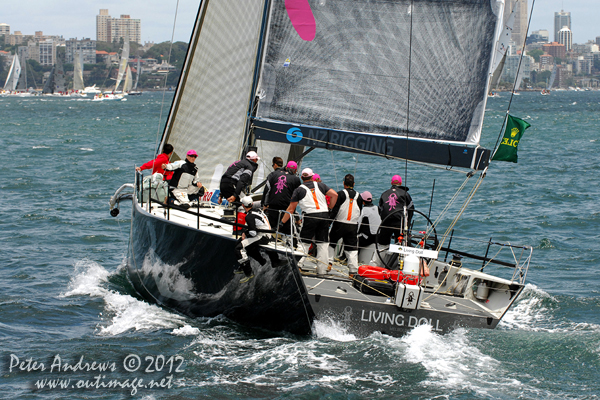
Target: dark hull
<point>363,318</point>
<point>191,271</point>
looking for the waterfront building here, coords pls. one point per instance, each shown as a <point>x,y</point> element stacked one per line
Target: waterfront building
<point>46,52</point>
<point>511,67</point>
<point>565,37</point>
<point>539,36</point>
<point>110,29</point>
<point>556,50</point>
<point>546,62</point>
<point>562,18</point>
<point>4,29</point>
<point>102,26</point>
<point>85,46</point>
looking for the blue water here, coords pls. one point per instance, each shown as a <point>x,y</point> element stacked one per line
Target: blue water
<point>65,292</point>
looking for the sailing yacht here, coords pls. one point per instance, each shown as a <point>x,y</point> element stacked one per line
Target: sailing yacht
<point>284,77</point>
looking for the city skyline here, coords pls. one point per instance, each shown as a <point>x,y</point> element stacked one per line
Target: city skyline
<point>76,19</point>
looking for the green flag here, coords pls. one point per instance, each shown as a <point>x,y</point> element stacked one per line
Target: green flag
<point>507,151</point>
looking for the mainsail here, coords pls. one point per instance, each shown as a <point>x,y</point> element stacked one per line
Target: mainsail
<point>552,78</point>
<point>49,85</point>
<point>416,89</point>
<point>211,105</point>
<point>137,75</point>
<point>123,62</point>
<point>22,85</point>
<point>59,77</point>
<point>78,72</point>
<point>13,74</point>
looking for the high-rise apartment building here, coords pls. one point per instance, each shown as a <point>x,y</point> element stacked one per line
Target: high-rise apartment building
<point>565,37</point>
<point>519,32</point>
<point>102,26</point>
<point>110,29</point>
<point>4,29</point>
<point>562,18</point>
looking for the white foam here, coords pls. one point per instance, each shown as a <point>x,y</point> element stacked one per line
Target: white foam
<point>332,330</point>
<point>86,149</point>
<point>186,330</point>
<point>40,147</point>
<point>452,362</point>
<point>121,312</point>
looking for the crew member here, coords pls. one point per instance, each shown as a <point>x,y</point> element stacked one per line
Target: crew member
<point>281,183</point>
<point>185,183</point>
<point>251,239</point>
<point>369,221</point>
<point>310,196</point>
<point>346,214</point>
<point>157,164</point>
<point>237,177</point>
<point>392,203</point>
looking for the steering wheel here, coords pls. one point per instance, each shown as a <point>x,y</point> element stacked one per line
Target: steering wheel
<point>420,224</point>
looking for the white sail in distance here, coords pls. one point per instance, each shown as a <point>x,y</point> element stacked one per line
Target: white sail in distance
<point>78,72</point>
<point>13,74</point>
<point>123,62</point>
<point>128,81</point>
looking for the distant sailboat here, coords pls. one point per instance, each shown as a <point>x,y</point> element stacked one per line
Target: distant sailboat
<point>546,91</point>
<point>13,75</point>
<point>122,64</point>
<point>55,84</point>
<point>134,91</point>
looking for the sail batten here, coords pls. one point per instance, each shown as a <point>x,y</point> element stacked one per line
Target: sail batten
<point>356,74</point>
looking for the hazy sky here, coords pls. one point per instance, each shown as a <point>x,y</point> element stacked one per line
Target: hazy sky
<point>77,18</point>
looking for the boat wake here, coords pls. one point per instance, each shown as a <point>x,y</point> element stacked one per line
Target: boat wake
<point>122,312</point>
<point>535,311</point>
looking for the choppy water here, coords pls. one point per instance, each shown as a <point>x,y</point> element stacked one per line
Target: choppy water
<point>64,290</point>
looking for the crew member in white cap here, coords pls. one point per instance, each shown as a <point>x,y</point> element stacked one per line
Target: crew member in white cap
<point>237,177</point>
<point>346,214</point>
<point>311,198</point>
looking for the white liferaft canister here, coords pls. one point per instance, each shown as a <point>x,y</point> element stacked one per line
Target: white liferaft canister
<point>411,265</point>
<point>482,291</point>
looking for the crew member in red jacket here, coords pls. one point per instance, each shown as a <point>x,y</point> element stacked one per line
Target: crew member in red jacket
<point>157,163</point>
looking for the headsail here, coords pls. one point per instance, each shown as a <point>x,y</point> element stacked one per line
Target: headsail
<point>13,74</point>
<point>123,62</point>
<point>211,105</point>
<point>128,80</point>
<point>502,47</point>
<point>78,72</point>
<point>381,77</point>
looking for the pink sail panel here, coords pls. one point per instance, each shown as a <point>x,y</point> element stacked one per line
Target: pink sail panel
<point>302,18</point>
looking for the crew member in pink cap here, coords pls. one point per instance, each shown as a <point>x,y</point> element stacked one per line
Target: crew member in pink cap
<point>391,210</point>
<point>185,183</point>
<point>237,177</point>
<point>280,185</point>
<point>311,198</point>
<point>369,221</point>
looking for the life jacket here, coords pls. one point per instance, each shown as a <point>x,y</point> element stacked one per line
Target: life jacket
<point>184,175</point>
<point>371,214</point>
<point>349,212</point>
<point>314,201</point>
<point>257,220</point>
